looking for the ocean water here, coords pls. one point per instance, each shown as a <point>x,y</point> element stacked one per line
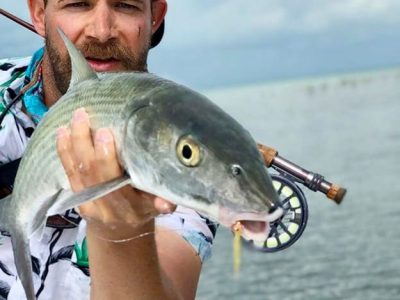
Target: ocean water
<point>346,128</point>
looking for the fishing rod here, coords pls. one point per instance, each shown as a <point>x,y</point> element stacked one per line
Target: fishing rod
<point>313,181</point>
<point>286,230</point>
<point>18,20</point>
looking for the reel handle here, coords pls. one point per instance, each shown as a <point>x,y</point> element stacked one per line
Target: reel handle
<point>313,181</point>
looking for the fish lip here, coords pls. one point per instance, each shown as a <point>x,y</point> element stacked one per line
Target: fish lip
<point>257,236</point>
<point>229,217</point>
<point>255,226</point>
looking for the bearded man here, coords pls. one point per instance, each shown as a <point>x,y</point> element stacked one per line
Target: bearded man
<point>76,256</point>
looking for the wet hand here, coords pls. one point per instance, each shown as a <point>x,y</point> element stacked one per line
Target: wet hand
<point>91,160</point>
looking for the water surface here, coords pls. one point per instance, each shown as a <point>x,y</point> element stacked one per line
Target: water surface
<point>346,128</point>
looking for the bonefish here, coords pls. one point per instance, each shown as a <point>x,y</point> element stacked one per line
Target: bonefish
<point>171,141</point>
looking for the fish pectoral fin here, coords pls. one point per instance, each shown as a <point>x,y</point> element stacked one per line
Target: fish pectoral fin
<point>68,199</point>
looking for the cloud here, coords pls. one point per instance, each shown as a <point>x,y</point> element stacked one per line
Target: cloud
<point>333,14</point>
<point>210,43</point>
<point>229,21</point>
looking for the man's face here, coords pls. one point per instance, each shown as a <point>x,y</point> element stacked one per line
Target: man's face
<point>113,35</point>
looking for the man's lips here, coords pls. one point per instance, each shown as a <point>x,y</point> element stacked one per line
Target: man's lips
<point>103,65</point>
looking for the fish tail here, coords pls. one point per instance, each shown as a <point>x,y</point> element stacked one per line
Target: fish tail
<point>23,261</point>
<point>20,243</point>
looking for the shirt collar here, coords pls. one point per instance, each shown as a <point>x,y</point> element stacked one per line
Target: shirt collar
<point>33,97</point>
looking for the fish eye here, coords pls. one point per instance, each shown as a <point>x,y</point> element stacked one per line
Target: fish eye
<point>236,170</point>
<point>188,152</point>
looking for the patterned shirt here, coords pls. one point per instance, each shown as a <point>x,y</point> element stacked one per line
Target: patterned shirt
<point>59,255</point>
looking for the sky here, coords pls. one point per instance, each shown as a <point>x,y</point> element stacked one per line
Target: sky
<point>212,44</point>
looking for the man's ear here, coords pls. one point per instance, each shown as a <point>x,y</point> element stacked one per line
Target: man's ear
<point>36,10</point>
<point>158,10</point>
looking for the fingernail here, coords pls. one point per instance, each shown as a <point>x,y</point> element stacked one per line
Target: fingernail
<point>62,132</point>
<point>166,208</point>
<point>103,135</point>
<point>80,115</point>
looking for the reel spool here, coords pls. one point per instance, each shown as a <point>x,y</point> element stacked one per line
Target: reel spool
<point>286,230</point>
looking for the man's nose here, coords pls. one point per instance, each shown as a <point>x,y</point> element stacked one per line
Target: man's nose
<point>102,23</point>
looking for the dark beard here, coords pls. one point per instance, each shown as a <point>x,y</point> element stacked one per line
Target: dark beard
<point>61,65</point>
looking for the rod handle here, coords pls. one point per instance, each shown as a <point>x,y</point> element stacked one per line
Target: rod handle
<point>336,193</point>
<point>268,154</point>
<point>313,181</point>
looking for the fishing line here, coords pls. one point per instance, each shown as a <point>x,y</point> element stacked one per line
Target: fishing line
<point>159,228</point>
<point>236,247</point>
<point>126,240</point>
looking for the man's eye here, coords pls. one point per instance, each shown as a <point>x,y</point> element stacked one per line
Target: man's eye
<point>126,6</point>
<point>77,4</point>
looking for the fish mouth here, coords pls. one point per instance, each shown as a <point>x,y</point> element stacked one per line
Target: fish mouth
<point>255,226</point>
<point>256,231</point>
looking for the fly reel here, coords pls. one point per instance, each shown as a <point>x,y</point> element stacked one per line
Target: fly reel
<point>287,229</point>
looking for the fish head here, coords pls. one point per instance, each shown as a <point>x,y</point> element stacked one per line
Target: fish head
<point>181,146</point>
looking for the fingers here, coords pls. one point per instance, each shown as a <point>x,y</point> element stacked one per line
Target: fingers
<point>105,153</point>
<point>82,147</point>
<point>87,161</point>
<point>76,151</point>
<point>64,149</point>
<point>163,206</point>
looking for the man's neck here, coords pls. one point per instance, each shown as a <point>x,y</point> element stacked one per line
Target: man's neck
<point>51,94</point>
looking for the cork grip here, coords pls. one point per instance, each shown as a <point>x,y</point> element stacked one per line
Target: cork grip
<point>336,193</point>
<point>268,154</point>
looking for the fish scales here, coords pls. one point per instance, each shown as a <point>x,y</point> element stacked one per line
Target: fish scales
<point>105,111</point>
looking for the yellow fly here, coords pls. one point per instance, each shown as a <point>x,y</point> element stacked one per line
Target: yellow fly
<point>237,228</point>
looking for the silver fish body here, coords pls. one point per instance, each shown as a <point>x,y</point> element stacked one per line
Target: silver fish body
<point>150,118</point>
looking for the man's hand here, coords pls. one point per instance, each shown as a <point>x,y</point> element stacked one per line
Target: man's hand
<point>91,160</point>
